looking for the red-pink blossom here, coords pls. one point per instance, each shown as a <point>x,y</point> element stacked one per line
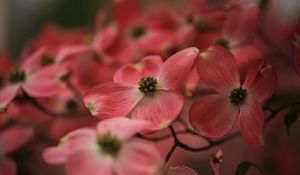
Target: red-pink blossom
<point>109,149</point>
<point>214,115</point>
<point>146,90</point>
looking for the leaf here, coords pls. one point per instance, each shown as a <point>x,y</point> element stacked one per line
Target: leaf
<point>291,117</point>
<point>244,167</point>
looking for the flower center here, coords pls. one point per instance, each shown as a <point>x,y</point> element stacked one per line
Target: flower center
<point>138,31</point>
<point>109,144</point>
<point>71,105</point>
<point>238,96</point>
<point>46,60</point>
<point>223,42</point>
<point>16,76</point>
<point>147,85</point>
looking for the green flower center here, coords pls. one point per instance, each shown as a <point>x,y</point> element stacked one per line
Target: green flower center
<point>238,96</point>
<point>46,60</point>
<point>138,31</point>
<point>71,105</point>
<point>16,76</point>
<point>147,85</point>
<point>109,144</point>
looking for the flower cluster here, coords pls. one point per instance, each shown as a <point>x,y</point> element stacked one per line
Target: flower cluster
<point>98,95</point>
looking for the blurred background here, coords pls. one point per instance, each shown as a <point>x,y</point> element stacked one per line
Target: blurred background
<point>21,20</point>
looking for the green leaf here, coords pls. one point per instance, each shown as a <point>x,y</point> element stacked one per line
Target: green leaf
<point>291,117</point>
<point>244,167</point>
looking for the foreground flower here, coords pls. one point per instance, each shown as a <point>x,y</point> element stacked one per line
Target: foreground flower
<point>107,150</point>
<point>144,91</point>
<point>214,115</point>
<point>43,82</point>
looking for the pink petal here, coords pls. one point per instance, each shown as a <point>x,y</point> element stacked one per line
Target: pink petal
<point>251,124</point>
<point>253,69</point>
<point>123,127</point>
<point>7,94</point>
<point>241,24</point>
<point>68,51</point>
<point>218,69</point>
<point>177,67</point>
<point>75,141</point>
<point>112,99</point>
<point>89,162</point>
<point>8,167</point>
<point>264,85</point>
<point>181,170</point>
<point>45,82</point>
<point>106,37</point>
<point>160,108</point>
<point>15,137</point>
<point>126,12</point>
<point>33,62</point>
<point>155,41</point>
<point>138,158</point>
<point>212,115</point>
<point>131,74</point>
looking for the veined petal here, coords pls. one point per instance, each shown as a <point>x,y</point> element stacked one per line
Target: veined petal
<point>131,74</point>
<point>14,137</point>
<point>253,69</point>
<point>264,85</point>
<point>7,94</point>
<point>218,69</point>
<point>138,158</point>
<point>213,115</point>
<point>160,108</point>
<point>88,162</point>
<point>45,82</point>
<point>176,68</point>
<point>251,124</point>
<point>181,170</point>
<point>123,127</point>
<point>112,99</point>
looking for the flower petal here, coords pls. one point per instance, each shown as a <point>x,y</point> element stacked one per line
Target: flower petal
<point>112,99</point>
<point>212,115</point>
<point>131,74</point>
<point>218,69</point>
<point>138,158</point>
<point>253,69</point>
<point>176,68</point>
<point>264,85</point>
<point>14,137</point>
<point>45,82</point>
<point>155,41</point>
<point>68,51</point>
<point>241,24</point>
<point>251,124</point>
<point>88,162</point>
<point>7,94</point>
<point>8,167</point>
<point>126,12</point>
<point>160,108</point>
<point>123,127</point>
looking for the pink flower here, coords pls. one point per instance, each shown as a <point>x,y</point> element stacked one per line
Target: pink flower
<point>214,115</point>
<point>43,82</point>
<point>144,91</point>
<point>107,150</point>
<point>12,139</point>
<point>215,161</point>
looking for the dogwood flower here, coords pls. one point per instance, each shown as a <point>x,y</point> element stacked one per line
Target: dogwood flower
<point>144,91</point>
<point>214,115</point>
<point>107,150</point>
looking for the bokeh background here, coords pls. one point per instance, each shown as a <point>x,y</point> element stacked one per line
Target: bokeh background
<point>20,20</point>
